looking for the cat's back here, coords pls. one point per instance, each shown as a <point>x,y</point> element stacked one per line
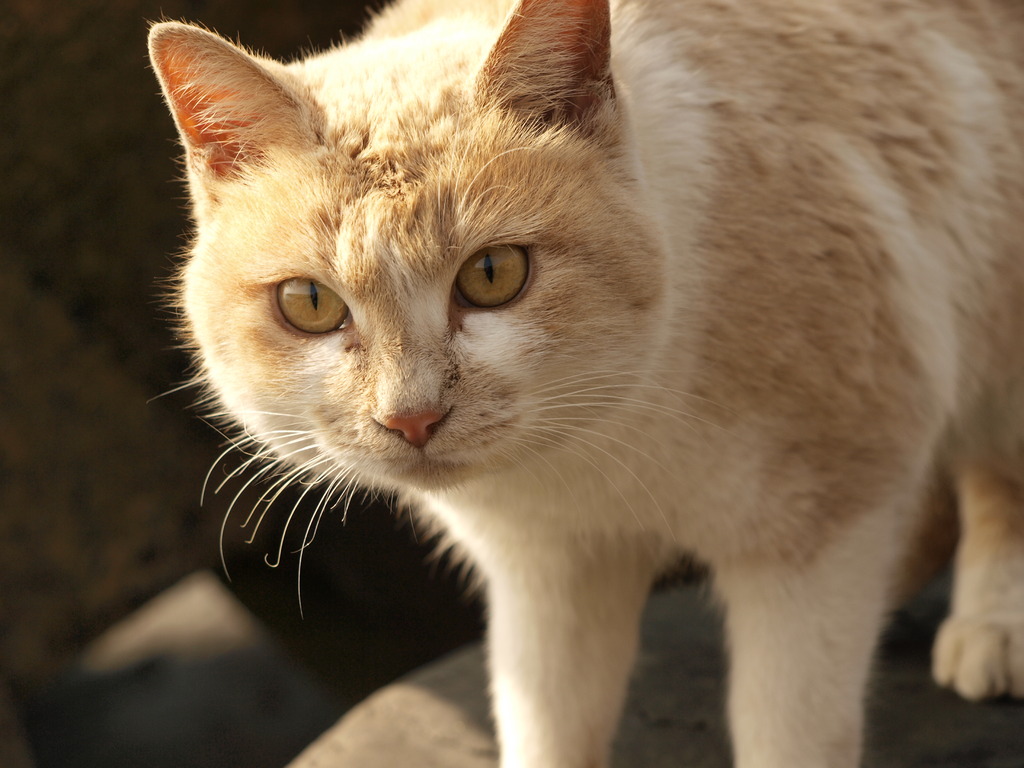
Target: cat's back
<point>862,219</point>
<point>868,161</point>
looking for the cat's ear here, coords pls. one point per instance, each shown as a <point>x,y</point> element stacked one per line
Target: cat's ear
<point>552,61</point>
<point>228,106</point>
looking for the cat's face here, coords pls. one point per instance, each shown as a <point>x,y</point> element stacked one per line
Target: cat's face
<point>417,285</point>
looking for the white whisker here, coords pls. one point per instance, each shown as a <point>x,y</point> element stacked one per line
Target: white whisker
<point>584,441</point>
<point>552,442</point>
<point>288,521</point>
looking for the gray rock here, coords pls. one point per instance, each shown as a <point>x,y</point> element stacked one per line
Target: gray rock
<point>437,717</point>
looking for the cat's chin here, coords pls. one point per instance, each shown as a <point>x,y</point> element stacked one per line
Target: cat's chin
<point>422,473</point>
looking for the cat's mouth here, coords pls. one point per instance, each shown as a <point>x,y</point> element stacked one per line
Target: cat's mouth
<point>436,466</point>
<point>422,471</point>
<point>447,459</point>
<point>427,469</point>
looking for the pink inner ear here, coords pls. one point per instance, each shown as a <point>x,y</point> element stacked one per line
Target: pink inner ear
<point>553,52</point>
<point>589,42</point>
<point>582,28</point>
<point>200,111</point>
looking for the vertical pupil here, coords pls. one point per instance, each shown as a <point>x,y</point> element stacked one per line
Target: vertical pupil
<point>314,296</point>
<point>489,268</point>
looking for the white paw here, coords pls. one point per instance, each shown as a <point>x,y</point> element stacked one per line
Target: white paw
<point>980,657</point>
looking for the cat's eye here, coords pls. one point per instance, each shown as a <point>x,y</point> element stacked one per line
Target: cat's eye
<point>493,276</point>
<point>311,306</point>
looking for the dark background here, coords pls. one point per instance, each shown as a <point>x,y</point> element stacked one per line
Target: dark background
<point>99,481</point>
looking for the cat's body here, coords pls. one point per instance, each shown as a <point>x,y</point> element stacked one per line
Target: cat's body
<point>773,313</point>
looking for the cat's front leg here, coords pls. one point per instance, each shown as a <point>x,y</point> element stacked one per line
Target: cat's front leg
<point>979,651</point>
<point>801,636</point>
<point>563,629</point>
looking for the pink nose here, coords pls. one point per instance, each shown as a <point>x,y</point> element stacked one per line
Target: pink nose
<point>415,427</point>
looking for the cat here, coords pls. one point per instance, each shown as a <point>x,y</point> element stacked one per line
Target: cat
<point>592,284</point>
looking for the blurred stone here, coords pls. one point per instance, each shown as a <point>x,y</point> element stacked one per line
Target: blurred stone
<point>191,678</point>
<point>251,707</point>
<point>197,618</point>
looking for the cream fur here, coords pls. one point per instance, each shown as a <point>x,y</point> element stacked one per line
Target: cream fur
<point>775,305</point>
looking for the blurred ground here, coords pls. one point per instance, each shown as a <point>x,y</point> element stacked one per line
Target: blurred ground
<point>674,715</point>
<point>191,679</point>
<point>194,678</point>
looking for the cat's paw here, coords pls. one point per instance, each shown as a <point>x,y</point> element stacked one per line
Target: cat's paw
<point>980,657</point>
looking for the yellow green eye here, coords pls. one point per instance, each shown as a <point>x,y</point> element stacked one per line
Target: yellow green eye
<point>493,276</point>
<point>311,306</point>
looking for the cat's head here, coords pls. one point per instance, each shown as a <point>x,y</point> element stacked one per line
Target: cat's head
<point>417,257</point>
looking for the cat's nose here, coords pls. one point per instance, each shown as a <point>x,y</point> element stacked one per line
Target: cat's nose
<point>416,428</point>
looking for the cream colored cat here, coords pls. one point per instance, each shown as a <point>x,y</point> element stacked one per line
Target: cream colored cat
<point>593,288</point>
